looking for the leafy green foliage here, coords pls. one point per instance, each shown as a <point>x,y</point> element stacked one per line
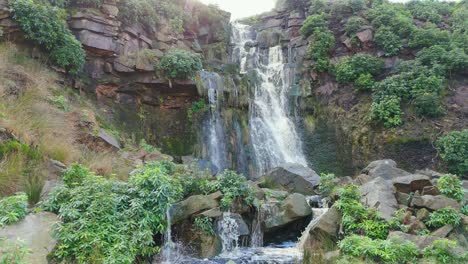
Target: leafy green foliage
<point>12,146</point>
<point>387,110</point>
<point>12,252</point>
<point>427,37</point>
<point>387,251</point>
<point>431,11</point>
<point>388,41</point>
<point>61,102</point>
<point>196,107</point>
<point>357,218</point>
<point>204,225</point>
<point>319,49</point>
<point>428,104</point>
<point>46,26</point>
<point>451,186</point>
<point>147,147</point>
<point>234,188</point>
<point>364,82</point>
<point>350,68</point>
<point>327,184</point>
<point>180,64</point>
<point>75,175</point>
<point>13,209</point>
<point>314,22</point>
<point>354,24</point>
<point>453,149</point>
<point>446,60</point>
<point>132,212</point>
<point>444,251</point>
<point>393,16</point>
<point>444,216</point>
<point>138,11</point>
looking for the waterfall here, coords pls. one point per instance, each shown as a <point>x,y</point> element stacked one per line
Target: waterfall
<point>273,132</point>
<point>215,142</point>
<point>229,233</point>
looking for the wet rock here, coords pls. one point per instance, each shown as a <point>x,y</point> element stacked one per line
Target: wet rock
<point>242,227</point>
<point>294,207</point>
<point>294,178</point>
<point>434,202</point>
<point>328,223</point>
<point>192,205</point>
<point>411,183</point>
<point>380,194</point>
<point>35,231</point>
<point>385,169</point>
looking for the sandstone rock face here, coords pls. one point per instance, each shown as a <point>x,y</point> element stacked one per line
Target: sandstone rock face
<point>192,205</point>
<point>434,202</point>
<point>380,194</point>
<point>35,231</point>
<point>294,207</point>
<point>294,178</point>
<point>411,183</point>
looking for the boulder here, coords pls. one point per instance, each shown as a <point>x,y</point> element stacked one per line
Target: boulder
<point>434,202</point>
<point>443,232</point>
<point>380,194</point>
<point>365,35</point>
<point>35,231</point>
<point>385,169</point>
<point>422,214</point>
<point>324,227</point>
<point>411,183</point>
<point>242,227</point>
<point>192,205</point>
<point>420,241</point>
<point>294,178</point>
<point>111,140</point>
<point>294,207</point>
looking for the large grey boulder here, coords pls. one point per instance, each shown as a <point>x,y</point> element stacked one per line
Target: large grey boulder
<point>412,183</point>
<point>434,202</point>
<point>379,193</point>
<point>292,208</point>
<point>294,178</point>
<point>192,205</point>
<point>386,169</point>
<point>35,231</point>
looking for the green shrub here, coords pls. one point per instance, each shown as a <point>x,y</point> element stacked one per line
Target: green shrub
<point>45,26</point>
<point>13,209</point>
<point>61,102</point>
<point>453,149</point>
<point>451,186</point>
<point>138,11</point>
<point>437,56</point>
<point>444,251</point>
<point>387,110</point>
<point>75,175</point>
<point>319,49</point>
<point>234,187</point>
<point>428,104</point>
<point>427,37</point>
<point>388,41</point>
<point>204,225</point>
<point>108,221</point>
<point>387,251</point>
<point>12,146</point>
<point>12,252</point>
<point>353,25</point>
<point>364,82</point>
<point>393,16</point>
<point>431,11</point>
<point>196,107</point>
<point>327,184</point>
<point>314,22</point>
<point>350,68</point>
<point>180,64</point>
<point>444,216</point>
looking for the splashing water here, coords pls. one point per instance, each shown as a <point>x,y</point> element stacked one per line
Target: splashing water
<point>229,233</point>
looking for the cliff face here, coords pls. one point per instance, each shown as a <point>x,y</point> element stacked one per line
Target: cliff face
<point>339,107</point>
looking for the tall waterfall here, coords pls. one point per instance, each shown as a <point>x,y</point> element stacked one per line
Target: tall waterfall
<point>273,132</point>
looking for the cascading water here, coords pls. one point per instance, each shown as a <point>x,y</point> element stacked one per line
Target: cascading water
<point>273,132</point>
<point>228,230</point>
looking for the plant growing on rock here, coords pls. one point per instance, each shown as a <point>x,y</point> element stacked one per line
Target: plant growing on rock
<point>387,110</point>
<point>350,68</point>
<point>453,149</point>
<point>451,186</point>
<point>327,184</point>
<point>204,225</point>
<point>180,64</point>
<point>319,49</point>
<point>444,251</point>
<point>12,252</point>
<point>234,188</point>
<point>430,36</point>
<point>314,22</point>
<point>353,25</point>
<point>13,209</point>
<point>444,216</point>
<point>388,41</point>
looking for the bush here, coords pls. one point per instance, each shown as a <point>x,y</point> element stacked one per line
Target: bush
<point>451,186</point>
<point>196,107</point>
<point>138,11</point>
<point>45,26</point>
<point>427,37</point>
<point>204,225</point>
<point>353,25</point>
<point>430,11</point>
<point>428,104</point>
<point>388,41</point>
<point>387,110</point>
<point>444,216</point>
<point>350,68</point>
<point>327,184</point>
<point>314,22</point>
<point>393,16</point>
<point>387,251</point>
<point>13,209</point>
<point>453,149</point>
<point>12,252</point>
<point>319,49</point>
<point>180,64</point>
<point>364,82</point>
<point>234,188</point>
<point>133,213</point>
<point>444,251</point>
<point>437,56</point>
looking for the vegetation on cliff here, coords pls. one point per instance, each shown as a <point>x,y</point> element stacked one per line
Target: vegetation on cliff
<point>180,64</point>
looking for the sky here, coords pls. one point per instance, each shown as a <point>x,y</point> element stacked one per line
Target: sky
<point>243,8</point>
